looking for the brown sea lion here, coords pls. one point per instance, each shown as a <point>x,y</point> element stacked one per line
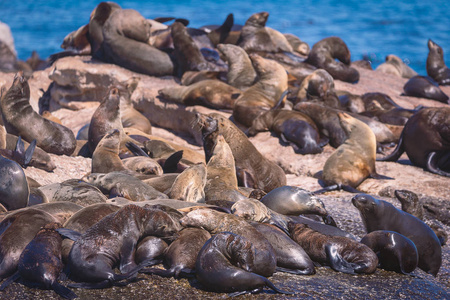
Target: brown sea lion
<point>150,247</point>
<point>191,77</point>
<point>381,215</point>
<point>394,65</point>
<point>20,119</point>
<point>106,158</point>
<point>14,190</point>
<point>297,44</point>
<point>323,55</point>
<point>353,161</point>
<point>252,168</point>
<point>210,93</point>
<point>189,185</point>
<point>395,251</point>
<point>142,164</point>
<point>40,263</point>
<point>381,107</point>
<point>340,253</point>
<point>425,139</point>
<point>112,241</point>
<point>241,73</point>
<point>267,92</point>
<point>436,67</point>
<point>293,127</point>
<point>216,270</point>
<point>216,222</point>
<point>425,87</point>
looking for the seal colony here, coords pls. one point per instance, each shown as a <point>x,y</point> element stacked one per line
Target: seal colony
<point>157,211</point>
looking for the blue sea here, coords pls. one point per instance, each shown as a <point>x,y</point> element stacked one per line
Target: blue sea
<point>371,29</point>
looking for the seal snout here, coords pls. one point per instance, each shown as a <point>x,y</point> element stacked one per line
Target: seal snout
<point>359,200</point>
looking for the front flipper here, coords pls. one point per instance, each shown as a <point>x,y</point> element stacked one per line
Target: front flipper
<point>336,261</point>
<point>245,178</point>
<point>63,291</point>
<point>69,233</point>
<point>10,280</point>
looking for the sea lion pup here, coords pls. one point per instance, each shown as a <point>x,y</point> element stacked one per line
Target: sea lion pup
<point>340,253</point>
<point>127,29</point>
<point>241,73</point>
<point>323,55</point>
<point>327,121</point>
<point>293,127</point>
<point>291,258</point>
<point>40,262</point>
<point>425,87</point>
<point>297,44</point>
<point>224,264</point>
<point>189,185</point>
<point>210,93</point>
<point>381,215</point>
<point>252,168</point>
<point>111,242</point>
<point>106,158</point>
<point>394,65</point>
<point>318,87</point>
<point>413,205</point>
<point>142,164</point>
<point>20,119</point>
<point>256,37</point>
<point>216,222</point>
<point>425,139</point>
<point>129,116</point>
<point>221,180</point>
<point>436,67</point>
<point>353,161</point>
<point>82,220</point>
<point>181,255</point>
<point>124,185</point>
<point>14,190</point>
<point>395,251</point>
<point>267,92</point>
<point>17,230</point>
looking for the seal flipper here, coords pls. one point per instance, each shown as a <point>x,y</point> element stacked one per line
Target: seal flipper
<point>63,291</point>
<point>379,176</point>
<point>431,165</point>
<point>69,233</point>
<point>398,151</point>
<point>135,149</point>
<point>328,220</point>
<point>336,261</point>
<point>10,280</point>
<point>294,271</point>
<point>29,153</point>
<point>336,187</point>
<point>171,163</point>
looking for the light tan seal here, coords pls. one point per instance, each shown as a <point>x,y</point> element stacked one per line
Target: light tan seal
<point>394,65</point>
<point>189,185</point>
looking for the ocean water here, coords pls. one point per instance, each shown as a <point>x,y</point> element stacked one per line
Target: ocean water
<point>371,29</point>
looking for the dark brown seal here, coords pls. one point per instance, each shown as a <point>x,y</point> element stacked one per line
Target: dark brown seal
<point>340,253</point>
<point>395,251</point>
<point>436,67</point>
<point>14,189</point>
<point>252,168</point>
<point>324,53</point>
<point>150,247</point>
<point>426,140</point>
<point>216,270</point>
<point>381,215</point>
<point>112,241</point>
<point>425,87</point>
<point>20,119</point>
<point>40,263</point>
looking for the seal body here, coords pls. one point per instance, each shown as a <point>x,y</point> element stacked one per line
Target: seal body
<point>436,67</point>
<point>20,119</point>
<point>395,66</point>
<point>424,87</point>
<point>189,185</point>
<point>381,215</point>
<point>14,189</point>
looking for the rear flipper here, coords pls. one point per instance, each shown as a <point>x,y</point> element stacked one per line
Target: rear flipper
<point>63,291</point>
<point>336,261</point>
<point>135,149</point>
<point>433,163</point>
<point>398,151</point>
<point>336,187</point>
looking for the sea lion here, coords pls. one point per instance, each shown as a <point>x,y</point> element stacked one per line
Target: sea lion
<point>20,119</point>
<point>120,184</point>
<point>16,231</point>
<point>394,65</point>
<point>382,131</point>
<point>353,161</point>
<point>297,44</point>
<point>14,189</point>
<point>216,270</point>
<point>291,258</point>
<point>252,168</point>
<point>425,87</point>
<point>436,67</point>
<point>381,107</point>
<point>150,248</point>
<point>210,93</point>
<point>82,220</point>
<point>181,255</point>
<point>381,215</point>
<point>241,73</point>
<point>106,158</point>
<point>395,251</point>
<point>425,139</point>
<point>266,93</point>
<point>293,127</point>
<point>163,182</point>
<point>40,262</point>
<point>340,253</point>
<point>189,185</point>
<point>351,102</point>
<point>143,165</point>
<point>324,53</point>
<point>216,222</point>
<point>112,241</point>
<point>127,29</point>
